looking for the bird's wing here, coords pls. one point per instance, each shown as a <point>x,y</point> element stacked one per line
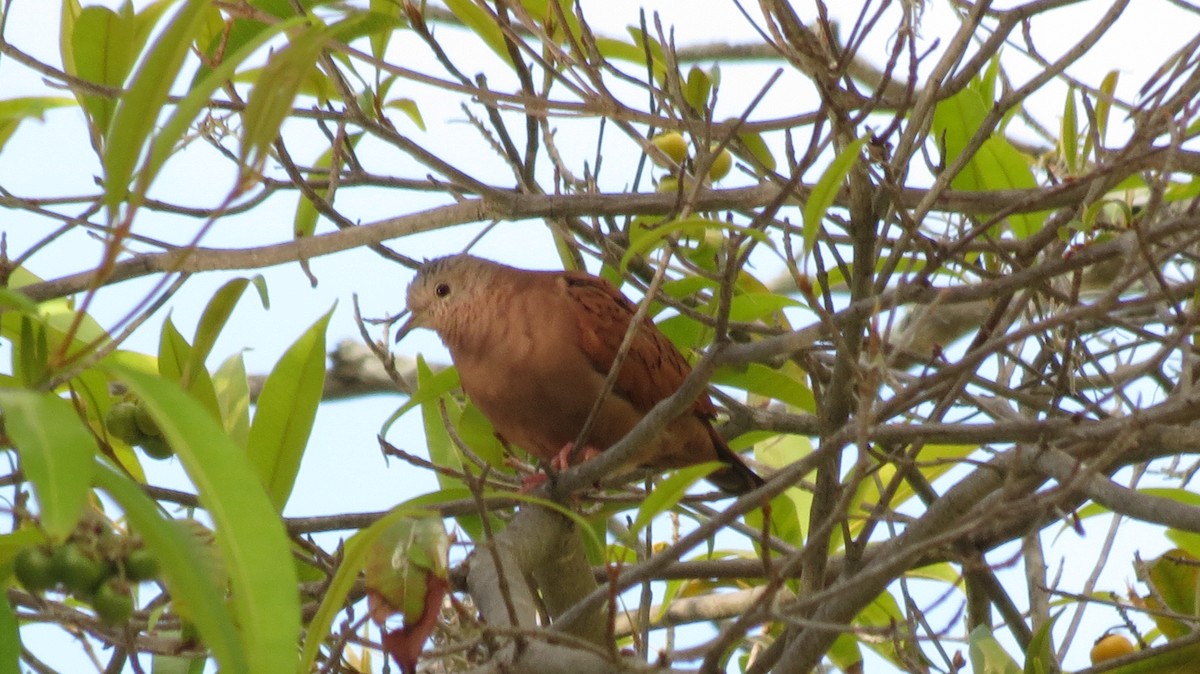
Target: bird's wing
<point>652,370</point>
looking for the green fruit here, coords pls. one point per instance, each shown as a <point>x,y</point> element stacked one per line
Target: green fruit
<point>145,422</point>
<point>120,422</point>
<point>77,570</point>
<point>156,447</point>
<point>141,565</point>
<point>34,569</point>
<point>113,603</point>
<point>720,166</point>
<point>672,144</point>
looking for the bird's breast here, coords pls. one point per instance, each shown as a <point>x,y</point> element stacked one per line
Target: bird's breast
<point>531,381</point>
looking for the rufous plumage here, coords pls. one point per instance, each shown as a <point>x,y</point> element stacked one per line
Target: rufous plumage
<point>533,349</point>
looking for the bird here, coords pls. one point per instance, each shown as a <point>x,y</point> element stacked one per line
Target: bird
<point>533,350</point>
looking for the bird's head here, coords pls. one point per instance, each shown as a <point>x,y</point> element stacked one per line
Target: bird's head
<point>441,293</point>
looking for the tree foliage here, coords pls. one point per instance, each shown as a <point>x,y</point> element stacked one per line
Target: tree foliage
<point>974,333</point>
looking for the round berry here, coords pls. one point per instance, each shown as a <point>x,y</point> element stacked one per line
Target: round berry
<point>672,144</point>
<point>112,602</point>
<point>34,569</point>
<point>1111,646</point>
<point>121,423</point>
<point>78,571</point>
<point>141,565</point>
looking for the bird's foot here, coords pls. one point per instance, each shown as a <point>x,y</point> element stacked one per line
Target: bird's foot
<point>563,460</point>
<point>532,481</point>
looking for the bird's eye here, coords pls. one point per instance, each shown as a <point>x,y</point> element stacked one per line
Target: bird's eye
<point>442,289</point>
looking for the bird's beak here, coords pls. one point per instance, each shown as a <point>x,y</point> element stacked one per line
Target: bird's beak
<point>411,324</point>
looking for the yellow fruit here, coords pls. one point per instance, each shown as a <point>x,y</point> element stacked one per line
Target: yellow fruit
<point>1111,646</point>
<point>672,144</point>
<point>720,166</point>
<point>667,184</point>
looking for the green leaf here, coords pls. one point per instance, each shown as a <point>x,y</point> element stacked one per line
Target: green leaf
<point>789,510</point>
<point>56,451</point>
<point>274,91</point>
<point>476,431</point>
<point>281,8</point>
<point>1001,167</point>
<point>825,192</point>
<point>11,298</point>
<point>145,20</point>
<point>442,451</point>
<point>668,492</point>
<point>174,358</point>
<point>380,39</point>
<point>409,107</point>
<point>936,460</point>
<point>997,165</point>
<point>31,354</point>
<point>402,562</point>
<point>429,390</point>
<point>10,640</point>
<point>171,664</point>
<point>305,222</point>
<point>752,306</point>
<point>987,656</point>
<point>846,654</point>
<point>1175,579</point>
<point>482,24</point>
<point>287,406</point>
<point>1104,103</point>
<point>757,152</point>
<point>432,393</point>
<point>548,19</point>
<point>189,580</point>
<point>644,239</point>
<point>955,121</point>
<point>13,111</point>
<point>883,613</point>
<point>71,10</point>
<point>770,383</point>
<point>1069,134</point>
<point>633,53</point>
<point>233,395</point>
<point>103,51</point>
<point>697,89</point>
<point>15,542</point>
<point>197,99</point>
<point>139,107</point>
<point>216,315</point>
<point>985,83</point>
<point>643,43</point>
<point>57,315</point>
<point>249,533</point>
<point>353,558</point>
<point>1039,657</point>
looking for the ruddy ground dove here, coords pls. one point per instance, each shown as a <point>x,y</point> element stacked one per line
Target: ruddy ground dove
<point>533,349</point>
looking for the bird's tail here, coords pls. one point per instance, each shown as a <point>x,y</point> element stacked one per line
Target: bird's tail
<point>735,478</point>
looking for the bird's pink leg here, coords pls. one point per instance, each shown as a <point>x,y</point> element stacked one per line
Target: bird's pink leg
<point>562,460</point>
